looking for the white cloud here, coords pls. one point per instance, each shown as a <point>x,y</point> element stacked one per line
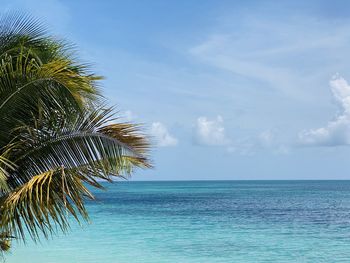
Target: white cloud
<point>162,136</point>
<point>265,141</point>
<point>337,131</point>
<point>210,132</point>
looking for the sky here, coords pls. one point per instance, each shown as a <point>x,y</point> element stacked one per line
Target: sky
<point>227,90</point>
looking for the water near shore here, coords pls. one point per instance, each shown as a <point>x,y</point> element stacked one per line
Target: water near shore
<point>207,221</point>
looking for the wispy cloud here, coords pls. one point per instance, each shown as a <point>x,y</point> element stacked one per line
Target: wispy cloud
<point>286,62</point>
<point>337,131</point>
<point>264,141</point>
<point>162,136</point>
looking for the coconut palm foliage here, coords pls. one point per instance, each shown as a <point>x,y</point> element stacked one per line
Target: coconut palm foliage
<point>56,135</point>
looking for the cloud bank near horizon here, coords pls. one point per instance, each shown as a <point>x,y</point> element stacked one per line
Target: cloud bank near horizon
<point>337,131</point>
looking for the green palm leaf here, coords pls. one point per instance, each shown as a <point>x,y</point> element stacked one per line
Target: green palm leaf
<point>56,136</point>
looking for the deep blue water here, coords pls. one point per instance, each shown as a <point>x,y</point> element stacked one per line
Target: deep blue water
<point>207,221</point>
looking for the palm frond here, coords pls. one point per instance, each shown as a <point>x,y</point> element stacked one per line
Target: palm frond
<point>56,135</point>
<point>42,203</point>
<point>18,29</point>
<point>84,141</point>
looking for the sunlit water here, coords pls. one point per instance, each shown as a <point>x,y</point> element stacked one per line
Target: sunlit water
<point>207,221</point>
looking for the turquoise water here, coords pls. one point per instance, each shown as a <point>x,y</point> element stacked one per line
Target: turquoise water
<point>207,221</point>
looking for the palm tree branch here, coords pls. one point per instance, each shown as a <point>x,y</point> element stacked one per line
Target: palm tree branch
<point>44,202</point>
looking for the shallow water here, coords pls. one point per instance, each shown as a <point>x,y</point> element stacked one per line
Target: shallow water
<point>207,221</point>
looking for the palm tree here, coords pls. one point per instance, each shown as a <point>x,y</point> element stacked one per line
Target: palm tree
<point>57,136</point>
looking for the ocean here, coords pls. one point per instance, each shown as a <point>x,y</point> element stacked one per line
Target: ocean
<point>206,221</point>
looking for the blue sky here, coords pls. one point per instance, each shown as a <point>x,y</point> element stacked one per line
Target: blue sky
<point>227,89</point>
